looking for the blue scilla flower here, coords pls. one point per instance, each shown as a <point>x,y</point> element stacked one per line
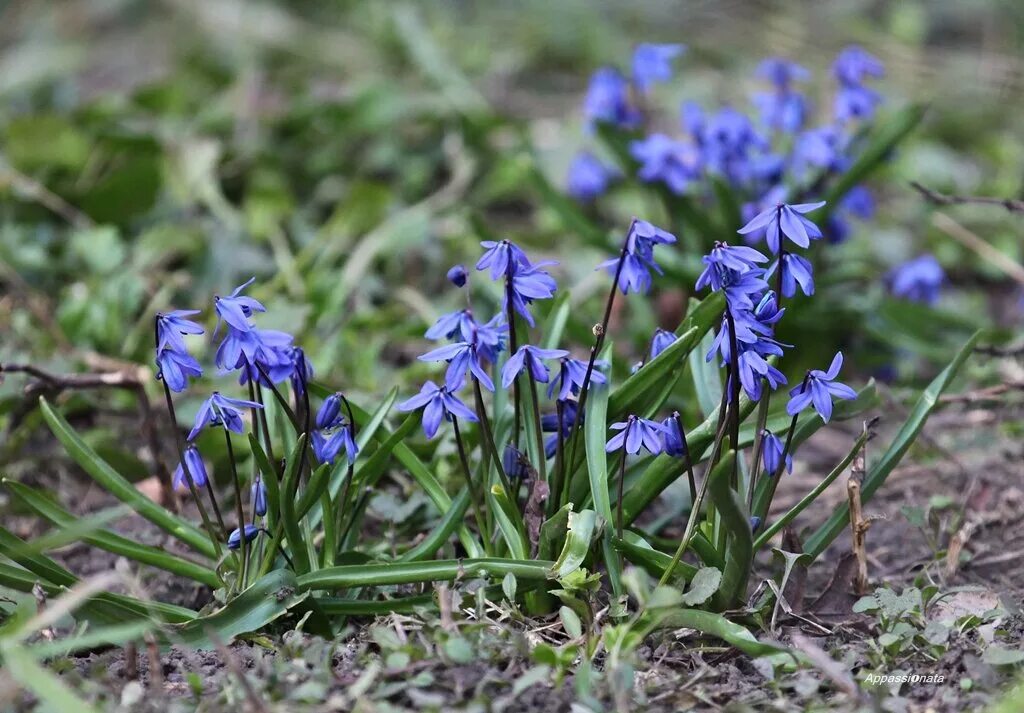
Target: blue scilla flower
<point>462,357</point>
<point>529,283</point>
<point>729,144</point>
<point>854,64</point>
<point>258,494</point>
<point>176,367</point>
<point>457,275</point>
<point>638,258</point>
<point>666,160</point>
<point>818,388</point>
<point>755,523</point>
<point>918,280</point>
<point>821,149</point>
<point>549,424</point>
<point>329,414</point>
<point>755,370</point>
<point>171,326</point>
<point>437,404</point>
<point>772,450</point>
<point>196,471</point>
<point>220,410</point>
<point>235,538</point>
<point>328,444</point>
<point>571,374</point>
<point>636,433</point>
<point>724,259</point>
<point>448,325</point>
<point>607,100</point>
<point>501,257</point>
<point>786,220</point>
<point>855,102</point>
<point>514,462</point>
<point>588,177</point>
<point>661,341</point>
<point>857,203</point>
<point>302,371</point>
<point>653,63</point>
<point>796,270</point>
<point>781,72</point>
<point>674,439</point>
<point>264,347</point>
<point>532,358</point>
<point>236,308</point>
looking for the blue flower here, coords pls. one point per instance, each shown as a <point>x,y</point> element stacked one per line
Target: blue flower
<point>653,63</point>
<point>549,424</point>
<point>196,471</point>
<point>823,148</point>
<point>529,357</point>
<point>570,376</point>
<point>302,371</point>
<point>782,109</point>
<point>236,308</point>
<point>674,438</point>
<point>607,99</point>
<point>588,177</point>
<point>529,283</point>
<point>675,163</point>
<point>787,220</point>
<point>853,102</point>
<point>448,325</point>
<point>795,270</point>
<point>461,357</point>
<point>254,348</point>
<point>854,64</point>
<point>327,445</point>
<point>818,388</point>
<point>514,462</point>
<point>258,495</point>
<point>772,449</point>
<point>235,538</point>
<point>638,259</point>
<point>918,280</point>
<point>437,404</point>
<point>219,410</point>
<point>637,433</point>
<point>501,257</point>
<point>661,341</point>
<point>754,369</point>
<point>329,414</point>
<point>724,259</point>
<point>781,72</point>
<point>457,275</point>
<point>176,367</point>
<point>171,326</point>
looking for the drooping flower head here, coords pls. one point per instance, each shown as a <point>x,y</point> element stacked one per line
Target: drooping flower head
<point>220,410</point>
<point>530,358</point>
<point>638,257</point>
<point>588,177</point>
<point>529,283</point>
<point>462,357</point>
<point>501,257</point>
<point>437,404</point>
<point>571,374</point>
<point>796,270</point>
<point>917,280</point>
<point>175,368</point>
<point>328,444</point>
<point>788,221</point>
<point>663,159</point>
<point>818,388</point>
<point>236,308</point>
<point>196,471</point>
<point>457,275</point>
<point>661,341</point>
<point>674,438</point>
<point>772,449</point>
<point>549,424</point>
<point>235,538</point>
<point>172,326</point>
<point>636,433</point>
<point>607,100</point>
<point>653,63</point>
<point>258,495</point>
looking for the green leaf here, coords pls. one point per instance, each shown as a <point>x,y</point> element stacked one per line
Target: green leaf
<point>703,586</point>
<point>437,537</point>
<point>823,536</point>
<point>736,522</point>
<point>113,635</point>
<point>595,429</point>
<point>577,542</point>
<point>289,517</point>
<point>391,573</point>
<point>267,599</point>
<point>509,522</point>
<point>112,482</point>
<point>45,685</point>
<point>639,552</point>
<point>112,542</point>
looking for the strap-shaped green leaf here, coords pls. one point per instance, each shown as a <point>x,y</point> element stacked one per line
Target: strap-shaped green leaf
<point>389,573</point>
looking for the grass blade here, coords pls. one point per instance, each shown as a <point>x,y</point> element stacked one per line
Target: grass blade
<point>367,575</point>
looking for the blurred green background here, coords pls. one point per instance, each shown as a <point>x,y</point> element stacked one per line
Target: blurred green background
<point>346,153</point>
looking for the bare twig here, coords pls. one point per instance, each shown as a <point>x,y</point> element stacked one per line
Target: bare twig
<point>858,524</point>
<point>972,241</point>
<point>991,393</point>
<point>932,196</point>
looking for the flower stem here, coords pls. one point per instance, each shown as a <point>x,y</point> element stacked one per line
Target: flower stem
<point>244,544</point>
<point>538,435</point>
<point>513,345</point>
<point>474,493</point>
<point>734,393</point>
<point>489,442</point>
<point>558,477</point>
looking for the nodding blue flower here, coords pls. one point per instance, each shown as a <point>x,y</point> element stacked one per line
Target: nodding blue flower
<point>176,367</point>
<point>653,63</point>
<point>854,64</point>
<point>918,280</point>
<point>772,449</point>
<point>607,100</point>
<point>675,163</point>
<point>462,357</point>
<point>329,414</point>
<point>220,410</point>
<point>588,177</point>
<point>488,337</point>
<point>661,341</point>
<point>787,220</point>
<point>768,311</point>
<point>754,368</point>
<point>327,445</point>
<point>457,275</point>
<point>437,404</point>
<point>236,308</point>
<point>755,523</point>
<point>818,388</point>
<point>258,496</point>
<point>742,287</point>
<point>730,145</point>
<point>448,325</point>
<point>722,260</point>
<point>639,256</point>
<point>853,102</point>
<point>514,462</point>
<point>235,538</point>
<point>502,257</point>
<point>196,471</point>
<point>253,349</point>
<point>795,270</point>
<point>171,326</point>
<point>781,72</point>
<point>857,203</point>
<point>692,118</point>
<point>549,424</point>
<point>674,438</point>
<point>824,148</point>
<point>302,371</point>
<point>532,358</point>
<point>570,376</point>
<point>636,433</point>
<point>529,283</point>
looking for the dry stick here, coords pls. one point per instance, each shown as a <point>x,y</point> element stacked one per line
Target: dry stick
<point>858,524</point>
<point>156,670</point>
<point>244,541</point>
<point>932,196</point>
<point>116,380</point>
<point>974,242</point>
<point>474,494</point>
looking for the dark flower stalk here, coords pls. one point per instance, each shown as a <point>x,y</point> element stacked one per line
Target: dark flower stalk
<point>489,442</point>
<point>238,508</point>
<point>474,493</point>
<point>558,477</point>
<point>538,435</point>
<point>513,345</point>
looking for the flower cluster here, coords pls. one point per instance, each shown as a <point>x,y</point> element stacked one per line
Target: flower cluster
<point>632,269</point>
<point>333,431</point>
<point>258,354</point>
<point>174,364</point>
